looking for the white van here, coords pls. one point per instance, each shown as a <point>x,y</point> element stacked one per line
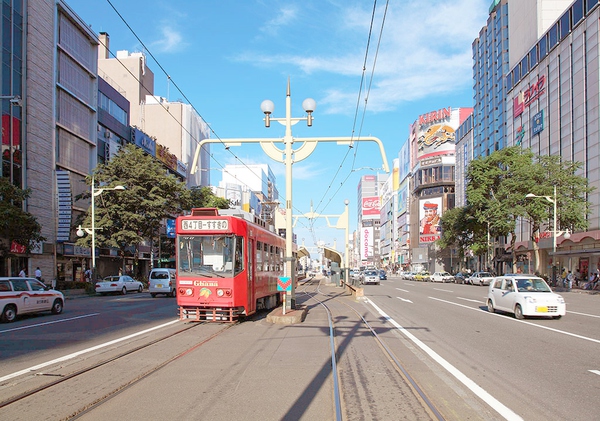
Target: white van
<point>162,281</point>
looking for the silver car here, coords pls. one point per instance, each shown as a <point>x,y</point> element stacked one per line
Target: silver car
<point>371,277</point>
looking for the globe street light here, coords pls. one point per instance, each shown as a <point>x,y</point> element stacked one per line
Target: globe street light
<point>555,233</point>
<point>92,231</point>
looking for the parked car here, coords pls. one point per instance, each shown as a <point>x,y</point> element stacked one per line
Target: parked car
<point>422,276</point>
<point>162,281</point>
<point>409,276</point>
<point>460,278</point>
<point>118,283</point>
<point>480,278</point>
<point>524,295</point>
<point>370,277</point>
<point>27,295</point>
<point>442,277</point>
<point>382,275</point>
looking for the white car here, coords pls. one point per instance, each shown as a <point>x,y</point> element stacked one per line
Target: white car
<point>370,277</point>
<point>27,295</point>
<point>480,278</point>
<point>524,295</point>
<point>442,277</point>
<point>118,283</point>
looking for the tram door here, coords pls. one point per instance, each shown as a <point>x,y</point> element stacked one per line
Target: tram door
<point>251,275</point>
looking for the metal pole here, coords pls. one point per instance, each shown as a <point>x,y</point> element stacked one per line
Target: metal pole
<point>93,232</point>
<point>555,220</point>
<point>347,256</point>
<point>289,257</point>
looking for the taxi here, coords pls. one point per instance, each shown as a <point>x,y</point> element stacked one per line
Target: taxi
<point>27,295</point>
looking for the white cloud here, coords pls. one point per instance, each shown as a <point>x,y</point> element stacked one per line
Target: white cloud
<point>285,15</point>
<point>171,42</point>
<point>425,50</point>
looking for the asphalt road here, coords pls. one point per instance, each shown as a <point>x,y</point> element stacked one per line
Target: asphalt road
<point>535,369</point>
<point>539,368</point>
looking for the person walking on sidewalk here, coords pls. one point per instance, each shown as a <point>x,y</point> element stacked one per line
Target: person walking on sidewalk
<point>23,274</point>
<point>38,273</point>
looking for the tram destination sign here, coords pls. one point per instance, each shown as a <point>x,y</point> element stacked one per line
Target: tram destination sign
<point>204,224</point>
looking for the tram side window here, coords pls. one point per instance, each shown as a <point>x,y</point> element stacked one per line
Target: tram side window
<point>259,257</point>
<point>239,255</point>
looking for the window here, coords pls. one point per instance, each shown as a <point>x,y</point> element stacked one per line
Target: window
<point>543,46</point>
<point>36,286</point>
<point>20,285</point>
<point>524,66</point>
<point>533,58</point>
<point>4,286</point>
<point>553,36</point>
<point>565,24</point>
<point>590,5</point>
<point>577,12</point>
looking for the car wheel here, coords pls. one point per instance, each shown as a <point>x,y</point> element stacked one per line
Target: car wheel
<point>57,306</point>
<point>9,314</point>
<point>140,288</point>
<point>153,295</point>
<point>490,306</point>
<point>556,317</point>
<point>173,293</point>
<point>124,291</point>
<point>519,312</point>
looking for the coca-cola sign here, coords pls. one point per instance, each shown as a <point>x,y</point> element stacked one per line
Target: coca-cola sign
<point>370,206</point>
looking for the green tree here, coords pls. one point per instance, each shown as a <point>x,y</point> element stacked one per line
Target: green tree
<point>127,217</point>
<point>203,197</point>
<point>16,224</point>
<point>496,190</point>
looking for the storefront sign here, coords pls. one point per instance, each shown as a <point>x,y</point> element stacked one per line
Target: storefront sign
<point>525,98</point>
<point>537,123</point>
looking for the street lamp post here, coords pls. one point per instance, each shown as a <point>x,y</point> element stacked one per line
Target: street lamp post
<point>92,231</point>
<point>555,232</point>
<point>307,147</point>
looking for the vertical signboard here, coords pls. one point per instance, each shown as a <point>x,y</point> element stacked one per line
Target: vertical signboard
<point>366,243</point>
<point>63,185</point>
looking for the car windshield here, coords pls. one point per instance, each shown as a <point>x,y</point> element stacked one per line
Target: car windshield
<point>532,284</point>
<point>111,279</point>
<point>485,275</point>
<point>371,273</point>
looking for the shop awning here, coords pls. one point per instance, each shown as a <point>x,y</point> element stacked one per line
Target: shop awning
<point>303,252</point>
<point>332,255</point>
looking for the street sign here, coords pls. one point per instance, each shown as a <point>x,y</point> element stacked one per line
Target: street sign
<point>284,283</point>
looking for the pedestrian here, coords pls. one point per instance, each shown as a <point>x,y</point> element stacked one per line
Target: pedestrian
<point>88,275</point>
<point>38,274</point>
<point>569,283</point>
<point>23,274</point>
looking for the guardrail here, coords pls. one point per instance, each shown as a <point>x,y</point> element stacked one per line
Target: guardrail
<point>357,292</point>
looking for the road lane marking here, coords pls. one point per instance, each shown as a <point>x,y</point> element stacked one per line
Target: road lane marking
<point>403,290</point>
<point>83,351</point>
<point>521,321</point>
<point>471,300</point>
<point>595,372</point>
<point>443,290</point>
<point>48,323</point>
<point>498,406</point>
<point>404,299</point>
<point>584,314</point>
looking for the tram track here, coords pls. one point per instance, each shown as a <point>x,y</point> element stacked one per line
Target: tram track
<point>332,304</point>
<point>29,397</point>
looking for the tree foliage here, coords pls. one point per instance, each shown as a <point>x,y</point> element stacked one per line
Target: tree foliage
<point>497,186</point>
<point>203,197</point>
<point>16,224</point>
<point>127,217</point>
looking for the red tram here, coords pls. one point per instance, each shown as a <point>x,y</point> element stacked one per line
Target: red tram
<point>228,265</point>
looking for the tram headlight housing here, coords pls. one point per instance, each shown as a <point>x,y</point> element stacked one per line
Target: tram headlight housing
<point>223,292</point>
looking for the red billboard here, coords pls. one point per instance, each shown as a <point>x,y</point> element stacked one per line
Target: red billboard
<point>370,206</point>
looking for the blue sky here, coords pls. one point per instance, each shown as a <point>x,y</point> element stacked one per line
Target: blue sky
<point>371,70</point>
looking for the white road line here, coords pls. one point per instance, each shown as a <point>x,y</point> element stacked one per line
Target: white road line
<point>84,351</point>
<point>469,299</point>
<point>522,321</point>
<point>403,290</point>
<point>498,406</point>
<point>404,299</point>
<point>48,323</point>
<point>595,372</point>
<point>584,314</point>
<point>443,290</point>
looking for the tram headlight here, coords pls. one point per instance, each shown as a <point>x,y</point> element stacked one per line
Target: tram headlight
<point>223,292</point>
<point>188,292</point>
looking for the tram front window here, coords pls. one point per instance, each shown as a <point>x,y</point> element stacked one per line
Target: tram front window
<point>206,255</point>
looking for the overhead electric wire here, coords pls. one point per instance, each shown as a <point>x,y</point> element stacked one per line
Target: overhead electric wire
<point>184,96</point>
